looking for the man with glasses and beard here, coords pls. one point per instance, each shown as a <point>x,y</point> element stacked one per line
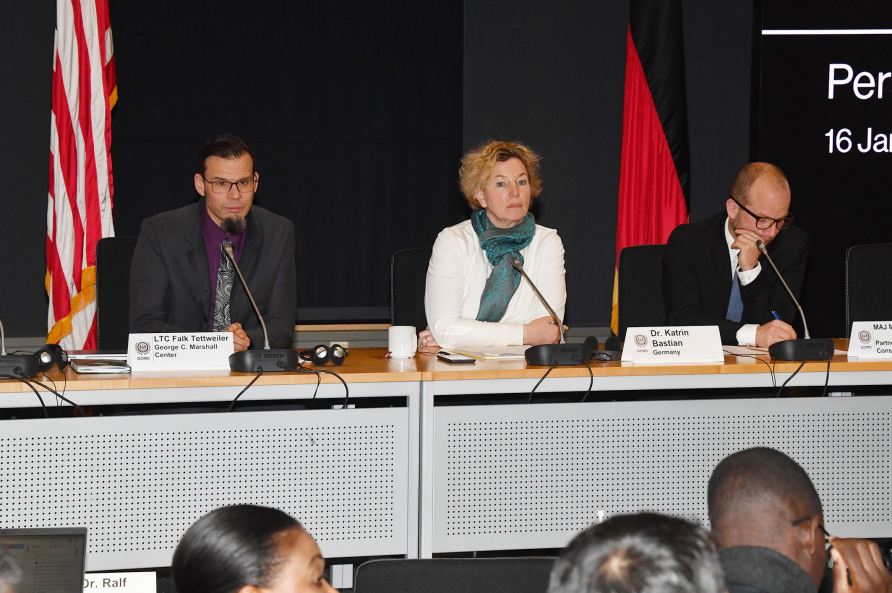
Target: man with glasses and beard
<point>181,280</point>
<point>712,273</point>
<point>769,521</point>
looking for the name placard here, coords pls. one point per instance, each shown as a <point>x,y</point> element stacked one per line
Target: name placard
<point>130,582</point>
<point>871,339</point>
<point>196,351</point>
<point>650,345</point>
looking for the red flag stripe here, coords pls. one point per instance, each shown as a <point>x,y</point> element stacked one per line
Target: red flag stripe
<point>651,200</point>
<point>59,288</point>
<point>91,189</point>
<point>68,153</point>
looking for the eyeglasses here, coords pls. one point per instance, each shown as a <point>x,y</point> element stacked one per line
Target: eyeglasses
<point>800,520</point>
<point>764,223</point>
<point>220,186</point>
<point>820,526</point>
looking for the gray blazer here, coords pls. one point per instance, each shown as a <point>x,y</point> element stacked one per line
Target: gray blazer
<point>170,281</point>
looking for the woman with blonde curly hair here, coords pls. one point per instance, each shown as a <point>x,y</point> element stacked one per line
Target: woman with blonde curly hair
<point>474,296</point>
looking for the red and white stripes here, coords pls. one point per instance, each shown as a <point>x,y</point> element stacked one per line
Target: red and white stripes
<point>79,211</point>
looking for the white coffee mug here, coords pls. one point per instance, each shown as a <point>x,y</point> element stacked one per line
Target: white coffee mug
<point>402,341</point>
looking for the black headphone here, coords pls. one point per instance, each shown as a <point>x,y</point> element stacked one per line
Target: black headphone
<point>49,355</point>
<point>322,354</point>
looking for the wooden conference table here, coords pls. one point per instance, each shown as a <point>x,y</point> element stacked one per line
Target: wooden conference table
<point>435,457</point>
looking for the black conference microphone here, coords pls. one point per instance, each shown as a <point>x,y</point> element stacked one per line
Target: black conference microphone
<point>561,354</point>
<point>806,349</point>
<point>24,365</point>
<point>266,360</point>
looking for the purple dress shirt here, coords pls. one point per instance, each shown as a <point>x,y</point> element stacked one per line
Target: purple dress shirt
<point>213,238</point>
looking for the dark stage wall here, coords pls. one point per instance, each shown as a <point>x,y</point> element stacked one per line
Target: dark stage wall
<point>551,75</point>
<point>26,44</point>
<point>835,151</point>
<point>359,116</point>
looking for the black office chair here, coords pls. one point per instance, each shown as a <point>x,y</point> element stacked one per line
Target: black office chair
<point>868,283</point>
<point>113,258</point>
<point>408,273</point>
<point>454,575</point>
<point>640,287</point>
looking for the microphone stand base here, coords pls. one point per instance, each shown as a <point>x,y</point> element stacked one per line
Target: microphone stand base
<point>802,350</point>
<point>557,354</point>
<point>253,361</point>
<point>25,364</point>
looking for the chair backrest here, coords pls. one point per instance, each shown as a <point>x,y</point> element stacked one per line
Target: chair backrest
<point>640,287</point>
<point>868,283</point>
<point>408,274</point>
<point>113,258</point>
<point>454,575</point>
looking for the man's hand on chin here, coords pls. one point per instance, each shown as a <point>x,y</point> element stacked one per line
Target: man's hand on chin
<point>240,339</point>
<point>772,332</point>
<point>749,253</point>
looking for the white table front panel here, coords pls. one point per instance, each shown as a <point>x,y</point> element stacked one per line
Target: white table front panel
<point>138,482</point>
<point>532,476</point>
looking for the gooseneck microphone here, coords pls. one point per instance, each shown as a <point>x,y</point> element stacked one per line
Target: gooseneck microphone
<point>761,245</point>
<point>561,354</point>
<point>519,267</point>
<point>227,248</point>
<point>806,349</point>
<point>266,360</point>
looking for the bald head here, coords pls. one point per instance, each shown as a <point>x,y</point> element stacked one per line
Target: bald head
<point>747,176</point>
<point>761,497</point>
<point>759,483</point>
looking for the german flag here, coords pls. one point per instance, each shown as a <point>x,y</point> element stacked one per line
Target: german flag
<point>655,171</point>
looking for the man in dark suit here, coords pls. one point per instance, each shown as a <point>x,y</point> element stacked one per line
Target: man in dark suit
<point>181,280</point>
<point>714,274</point>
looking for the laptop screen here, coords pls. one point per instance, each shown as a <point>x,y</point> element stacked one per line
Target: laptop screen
<point>51,559</point>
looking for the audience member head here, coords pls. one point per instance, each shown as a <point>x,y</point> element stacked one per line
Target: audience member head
<point>248,549</point>
<point>227,180</point>
<point>641,553</point>
<point>477,168</point>
<point>10,574</point>
<point>763,190</point>
<point>761,497</point>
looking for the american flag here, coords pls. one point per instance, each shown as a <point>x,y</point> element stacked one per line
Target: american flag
<point>80,181</point>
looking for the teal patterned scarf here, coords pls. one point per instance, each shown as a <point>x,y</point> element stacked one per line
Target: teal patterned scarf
<point>501,246</point>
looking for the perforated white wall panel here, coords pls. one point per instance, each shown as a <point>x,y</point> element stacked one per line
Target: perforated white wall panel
<point>516,477</point>
<point>138,482</point>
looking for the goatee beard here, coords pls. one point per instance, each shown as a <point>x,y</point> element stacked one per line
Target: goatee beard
<point>233,225</point>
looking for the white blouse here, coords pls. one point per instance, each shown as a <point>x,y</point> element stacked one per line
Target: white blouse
<point>457,275</point>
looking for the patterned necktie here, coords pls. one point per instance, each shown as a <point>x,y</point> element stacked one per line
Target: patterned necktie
<point>225,277</point>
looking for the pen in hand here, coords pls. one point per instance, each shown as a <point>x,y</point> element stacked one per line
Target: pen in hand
<point>776,316</point>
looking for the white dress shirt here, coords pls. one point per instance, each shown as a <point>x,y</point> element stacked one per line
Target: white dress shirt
<point>457,275</point>
<point>746,335</point>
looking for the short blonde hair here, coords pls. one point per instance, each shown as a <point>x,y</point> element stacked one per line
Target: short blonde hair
<point>477,165</point>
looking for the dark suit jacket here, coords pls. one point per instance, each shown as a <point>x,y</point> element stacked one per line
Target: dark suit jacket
<point>754,569</point>
<point>697,278</point>
<point>170,280</point>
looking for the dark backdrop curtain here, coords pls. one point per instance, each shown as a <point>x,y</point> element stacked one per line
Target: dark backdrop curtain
<point>354,111</point>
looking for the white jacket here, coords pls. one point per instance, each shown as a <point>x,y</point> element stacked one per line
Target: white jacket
<point>457,275</point>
